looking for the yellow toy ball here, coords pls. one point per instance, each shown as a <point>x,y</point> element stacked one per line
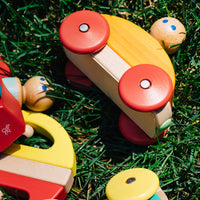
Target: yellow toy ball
<point>169,32</point>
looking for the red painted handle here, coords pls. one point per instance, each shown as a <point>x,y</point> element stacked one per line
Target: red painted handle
<point>28,187</point>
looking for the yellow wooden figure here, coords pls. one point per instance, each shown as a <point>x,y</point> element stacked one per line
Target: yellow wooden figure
<point>107,49</point>
<point>169,32</point>
<point>135,184</point>
<point>32,94</point>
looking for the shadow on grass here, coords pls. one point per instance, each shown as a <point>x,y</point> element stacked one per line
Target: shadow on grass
<point>117,147</point>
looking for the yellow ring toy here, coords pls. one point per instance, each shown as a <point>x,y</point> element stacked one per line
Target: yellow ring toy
<point>61,153</point>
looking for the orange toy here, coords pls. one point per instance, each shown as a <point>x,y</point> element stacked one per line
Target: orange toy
<point>169,32</point>
<point>128,65</point>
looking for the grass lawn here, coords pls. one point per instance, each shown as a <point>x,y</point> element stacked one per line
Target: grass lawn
<point>30,43</point>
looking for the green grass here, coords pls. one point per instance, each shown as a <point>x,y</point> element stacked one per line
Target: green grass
<point>30,44</point>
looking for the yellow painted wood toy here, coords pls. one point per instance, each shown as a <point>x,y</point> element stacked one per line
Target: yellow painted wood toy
<point>128,65</point>
<point>135,184</point>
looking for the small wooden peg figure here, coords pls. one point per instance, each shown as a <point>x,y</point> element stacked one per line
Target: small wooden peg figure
<point>32,94</point>
<point>34,97</point>
<point>169,32</point>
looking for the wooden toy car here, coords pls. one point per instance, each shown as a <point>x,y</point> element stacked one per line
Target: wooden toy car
<point>137,183</point>
<point>51,170</point>
<point>128,65</point>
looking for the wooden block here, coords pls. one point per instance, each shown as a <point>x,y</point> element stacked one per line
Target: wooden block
<point>37,170</point>
<point>163,116</point>
<point>13,84</point>
<point>28,187</point>
<point>61,153</point>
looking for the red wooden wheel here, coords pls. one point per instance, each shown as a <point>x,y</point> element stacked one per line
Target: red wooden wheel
<point>145,87</point>
<point>4,69</point>
<point>84,31</point>
<point>72,73</point>
<point>133,133</point>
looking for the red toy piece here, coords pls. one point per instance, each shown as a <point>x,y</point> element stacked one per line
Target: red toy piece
<point>73,74</point>
<point>91,35</point>
<point>133,133</point>
<point>30,188</point>
<point>12,123</point>
<point>4,69</point>
<point>145,87</point>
